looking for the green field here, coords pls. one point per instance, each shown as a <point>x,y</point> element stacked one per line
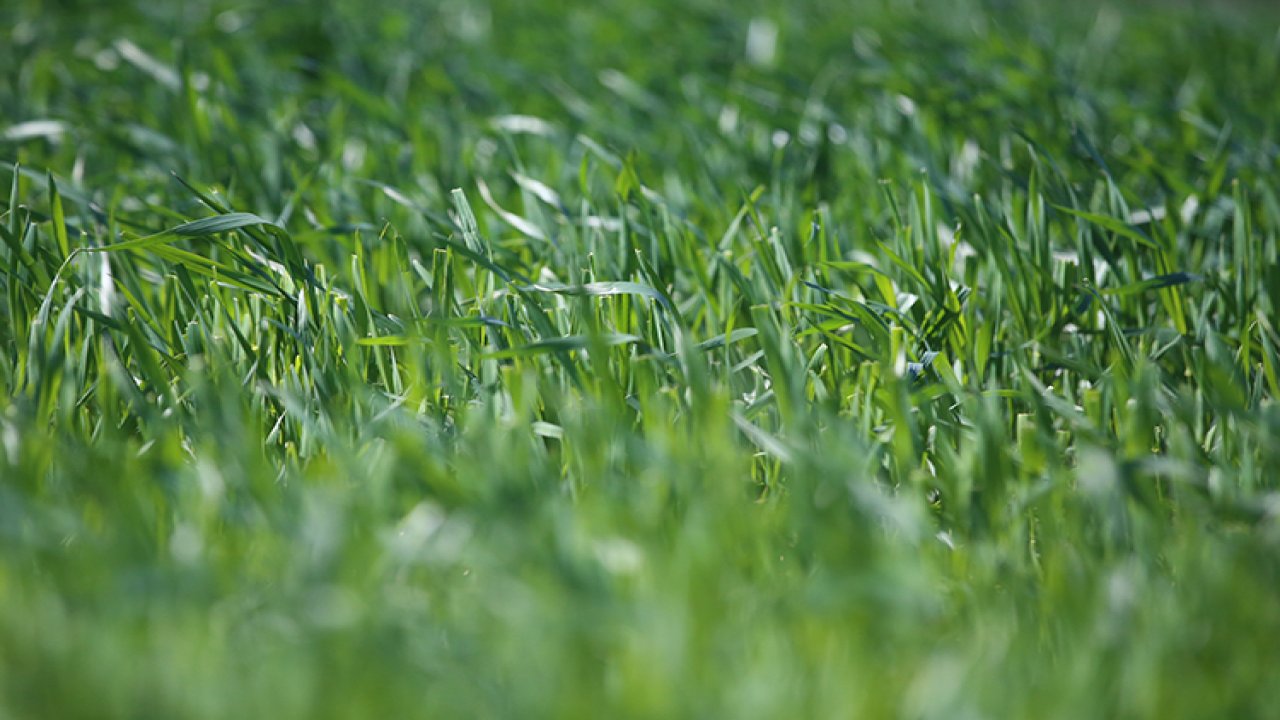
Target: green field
<point>618,359</point>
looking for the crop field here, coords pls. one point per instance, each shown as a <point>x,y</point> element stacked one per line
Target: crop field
<point>617,359</point>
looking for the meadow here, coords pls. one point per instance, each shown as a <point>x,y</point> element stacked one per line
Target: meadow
<point>814,359</point>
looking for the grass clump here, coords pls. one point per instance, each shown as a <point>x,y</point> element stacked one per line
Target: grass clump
<point>669,359</point>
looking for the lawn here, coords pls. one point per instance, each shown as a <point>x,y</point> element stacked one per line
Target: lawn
<point>615,359</point>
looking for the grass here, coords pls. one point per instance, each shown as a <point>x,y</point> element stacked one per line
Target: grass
<point>496,359</point>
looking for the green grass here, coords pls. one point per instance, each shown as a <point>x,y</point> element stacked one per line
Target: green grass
<point>618,359</point>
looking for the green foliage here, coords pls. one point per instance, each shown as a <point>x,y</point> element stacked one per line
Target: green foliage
<point>615,359</point>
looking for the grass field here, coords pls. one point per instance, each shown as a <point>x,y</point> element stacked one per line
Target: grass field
<point>812,359</point>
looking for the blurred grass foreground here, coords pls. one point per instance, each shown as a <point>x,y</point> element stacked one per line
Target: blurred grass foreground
<point>888,359</point>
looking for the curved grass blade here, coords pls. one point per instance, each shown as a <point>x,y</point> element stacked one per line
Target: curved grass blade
<point>604,289</point>
<point>195,228</point>
<point>1155,283</point>
<point>1119,227</point>
<point>569,342</point>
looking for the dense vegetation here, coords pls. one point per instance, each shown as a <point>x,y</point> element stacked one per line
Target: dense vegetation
<point>639,359</point>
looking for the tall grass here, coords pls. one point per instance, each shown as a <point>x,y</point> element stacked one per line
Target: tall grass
<point>639,360</point>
